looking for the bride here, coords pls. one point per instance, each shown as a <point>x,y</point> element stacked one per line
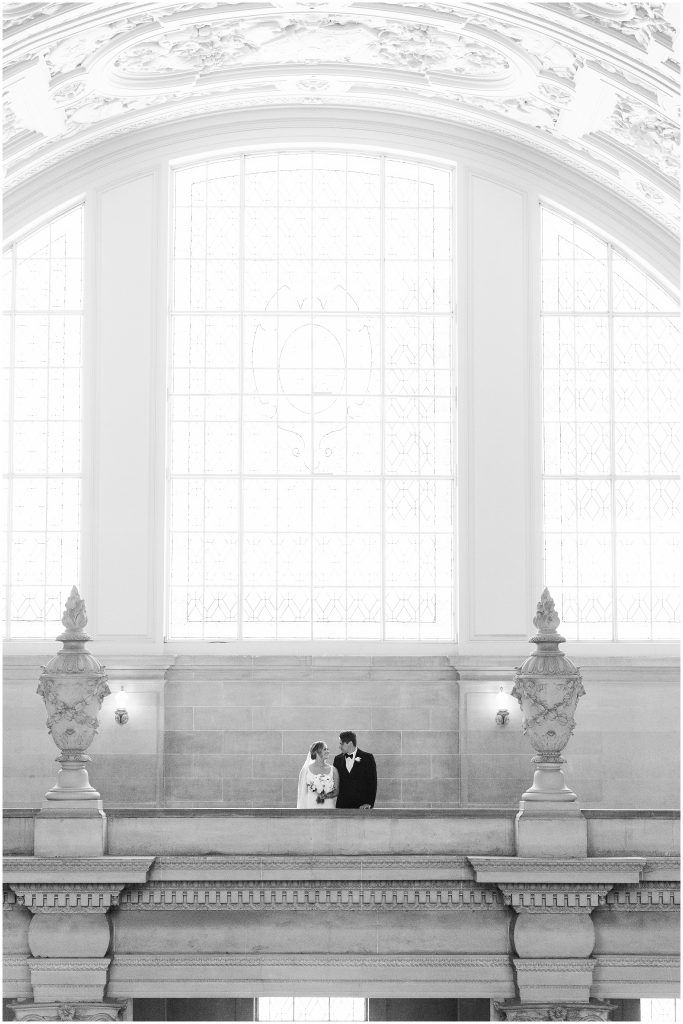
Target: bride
<point>318,780</point>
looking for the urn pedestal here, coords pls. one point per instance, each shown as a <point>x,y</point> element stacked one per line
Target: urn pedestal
<point>73,684</point>
<point>548,686</point>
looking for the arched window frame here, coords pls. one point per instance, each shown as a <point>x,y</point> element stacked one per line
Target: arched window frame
<point>245,619</point>
<point>530,174</point>
<point>43,503</point>
<point>608,486</point>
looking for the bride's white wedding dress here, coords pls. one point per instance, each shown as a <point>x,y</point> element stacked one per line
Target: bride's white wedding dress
<point>306,796</point>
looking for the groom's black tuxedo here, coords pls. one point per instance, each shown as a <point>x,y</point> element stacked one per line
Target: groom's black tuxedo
<point>359,786</point>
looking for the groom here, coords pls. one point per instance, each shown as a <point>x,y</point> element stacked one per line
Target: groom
<point>357,774</point>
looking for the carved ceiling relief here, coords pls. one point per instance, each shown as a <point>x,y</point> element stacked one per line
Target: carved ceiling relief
<point>640,21</point>
<point>645,130</point>
<point>513,65</point>
<point>215,46</point>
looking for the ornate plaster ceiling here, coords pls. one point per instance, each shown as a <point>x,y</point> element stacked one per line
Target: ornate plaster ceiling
<point>594,84</point>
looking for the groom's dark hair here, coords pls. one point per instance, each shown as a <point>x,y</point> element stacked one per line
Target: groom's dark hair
<point>348,737</point>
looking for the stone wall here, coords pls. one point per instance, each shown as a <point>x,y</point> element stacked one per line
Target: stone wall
<point>238,729</point>
<point>223,731</point>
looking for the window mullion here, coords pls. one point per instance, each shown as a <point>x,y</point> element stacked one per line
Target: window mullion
<point>10,446</point>
<point>314,360</point>
<point>241,256</point>
<point>612,444</point>
<point>382,388</point>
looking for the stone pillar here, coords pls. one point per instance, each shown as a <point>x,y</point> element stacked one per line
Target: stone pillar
<point>552,932</point>
<point>69,934</point>
<point>548,686</point>
<point>73,685</point>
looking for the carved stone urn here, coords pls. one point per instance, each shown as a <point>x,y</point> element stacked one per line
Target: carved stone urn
<point>548,687</point>
<point>73,685</point>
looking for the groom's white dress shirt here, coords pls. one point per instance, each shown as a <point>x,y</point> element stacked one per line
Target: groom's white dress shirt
<point>350,760</point>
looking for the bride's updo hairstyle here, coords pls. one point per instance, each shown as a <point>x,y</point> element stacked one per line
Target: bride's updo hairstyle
<point>315,747</point>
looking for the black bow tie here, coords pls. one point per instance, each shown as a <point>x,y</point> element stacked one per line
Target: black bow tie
<point>349,756</point>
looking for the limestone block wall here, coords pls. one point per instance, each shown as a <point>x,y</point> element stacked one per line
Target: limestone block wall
<point>222,731</point>
<point>237,729</point>
<point>624,752</point>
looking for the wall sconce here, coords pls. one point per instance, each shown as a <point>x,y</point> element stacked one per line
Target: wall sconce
<point>503,712</point>
<point>121,713</point>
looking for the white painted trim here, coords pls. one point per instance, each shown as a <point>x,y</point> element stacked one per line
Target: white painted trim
<point>421,137</point>
<point>89,403</point>
<point>535,411</point>
<point>493,652</point>
<point>465,517</point>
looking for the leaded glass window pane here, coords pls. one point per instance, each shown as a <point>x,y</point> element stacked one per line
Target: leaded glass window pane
<point>314,1009</point>
<point>311,404</point>
<point>611,386</point>
<point>42,367</point>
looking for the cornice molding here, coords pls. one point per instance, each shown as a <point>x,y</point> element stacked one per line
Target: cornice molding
<point>306,895</point>
<point>15,960</point>
<point>272,868</point>
<point>565,965</point>
<point>469,670</point>
<point>55,965</point>
<point>655,960</point>
<point>535,870</point>
<point>55,898</point>
<point>647,896</point>
<point>346,961</point>
<point>535,898</point>
<point>79,870</point>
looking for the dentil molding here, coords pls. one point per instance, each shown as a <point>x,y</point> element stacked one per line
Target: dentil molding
<point>646,896</point>
<point>546,898</point>
<point>67,898</point>
<point>302,895</point>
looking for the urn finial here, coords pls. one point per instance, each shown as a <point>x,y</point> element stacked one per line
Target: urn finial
<point>546,619</point>
<point>75,618</point>
<point>548,686</point>
<point>73,685</point>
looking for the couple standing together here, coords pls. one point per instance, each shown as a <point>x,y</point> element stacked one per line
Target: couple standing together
<point>351,781</point>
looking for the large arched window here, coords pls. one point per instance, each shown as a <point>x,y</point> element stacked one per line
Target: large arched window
<point>610,439</point>
<point>43,304</point>
<point>310,466</point>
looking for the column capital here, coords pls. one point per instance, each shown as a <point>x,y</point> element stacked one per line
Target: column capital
<point>67,897</point>
<point>595,1009</point>
<point>65,1010</point>
<point>555,898</point>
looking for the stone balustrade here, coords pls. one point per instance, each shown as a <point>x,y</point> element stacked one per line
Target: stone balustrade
<point>190,909</point>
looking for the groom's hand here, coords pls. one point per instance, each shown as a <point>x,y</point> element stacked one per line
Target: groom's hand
<point>365,807</point>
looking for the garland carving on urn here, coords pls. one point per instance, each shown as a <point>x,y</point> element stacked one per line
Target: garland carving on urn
<point>73,685</point>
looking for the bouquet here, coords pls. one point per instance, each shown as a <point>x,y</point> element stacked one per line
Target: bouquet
<point>322,785</point>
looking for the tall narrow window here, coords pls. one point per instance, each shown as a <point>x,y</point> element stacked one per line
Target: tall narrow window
<point>43,276</point>
<point>311,1008</point>
<point>610,439</point>
<point>311,407</point>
